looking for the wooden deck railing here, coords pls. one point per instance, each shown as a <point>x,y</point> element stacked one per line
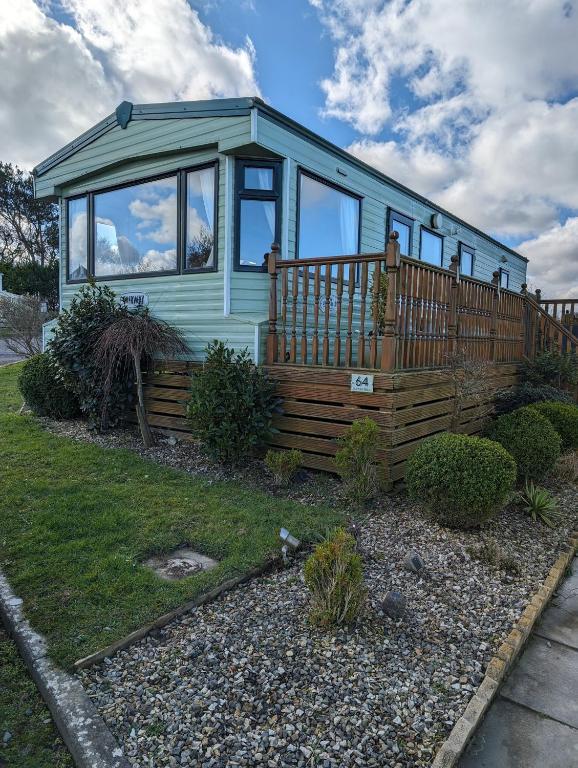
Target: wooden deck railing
<point>379,311</point>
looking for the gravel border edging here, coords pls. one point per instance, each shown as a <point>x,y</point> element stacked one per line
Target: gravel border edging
<point>84,732</point>
<point>453,747</point>
<point>166,618</point>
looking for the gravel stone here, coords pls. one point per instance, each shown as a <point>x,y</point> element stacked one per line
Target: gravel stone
<point>247,680</point>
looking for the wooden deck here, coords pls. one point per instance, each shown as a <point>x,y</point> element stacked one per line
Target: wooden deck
<point>330,319</point>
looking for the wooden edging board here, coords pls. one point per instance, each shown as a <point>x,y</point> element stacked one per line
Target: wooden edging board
<point>501,664</point>
<point>166,618</point>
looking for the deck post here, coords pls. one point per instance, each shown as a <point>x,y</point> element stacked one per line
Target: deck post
<point>453,307</point>
<point>528,333</point>
<point>494,315</point>
<point>272,346</point>
<point>389,339</point>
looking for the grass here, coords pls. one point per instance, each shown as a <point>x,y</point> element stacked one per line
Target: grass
<point>78,521</point>
<point>34,742</point>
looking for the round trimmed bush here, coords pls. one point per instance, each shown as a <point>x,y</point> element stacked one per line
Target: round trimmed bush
<point>461,480</point>
<point>530,438</point>
<point>40,383</point>
<point>564,419</point>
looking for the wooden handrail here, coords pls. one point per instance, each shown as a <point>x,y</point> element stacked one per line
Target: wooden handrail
<point>556,323</point>
<point>359,258</point>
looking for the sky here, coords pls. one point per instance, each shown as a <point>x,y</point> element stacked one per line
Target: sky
<point>474,105</point>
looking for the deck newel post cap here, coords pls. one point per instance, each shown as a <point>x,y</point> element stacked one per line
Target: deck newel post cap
<point>454,265</point>
<point>524,289</point>
<point>393,256</point>
<point>496,278</point>
<point>538,295</point>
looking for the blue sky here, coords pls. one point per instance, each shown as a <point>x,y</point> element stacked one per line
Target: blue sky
<point>470,104</point>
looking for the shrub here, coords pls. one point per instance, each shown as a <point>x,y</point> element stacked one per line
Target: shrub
<point>552,368</point>
<point>530,439</point>
<point>356,457</point>
<point>334,576</point>
<point>508,400</point>
<point>41,384</point>
<point>491,552</point>
<point>23,319</point>
<point>92,310</point>
<point>283,465</point>
<point>232,404</point>
<point>567,467</point>
<point>564,419</point>
<point>539,504</point>
<point>461,480</point>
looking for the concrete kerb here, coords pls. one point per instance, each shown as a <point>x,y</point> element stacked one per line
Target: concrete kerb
<point>84,732</point>
<point>453,747</point>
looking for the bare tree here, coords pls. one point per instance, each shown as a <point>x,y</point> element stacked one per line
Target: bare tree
<point>471,383</point>
<point>22,319</point>
<point>137,337</point>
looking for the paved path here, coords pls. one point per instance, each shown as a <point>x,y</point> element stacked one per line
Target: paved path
<point>534,721</point>
<point>6,356</point>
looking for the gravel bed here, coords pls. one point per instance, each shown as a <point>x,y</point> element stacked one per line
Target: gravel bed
<point>247,681</point>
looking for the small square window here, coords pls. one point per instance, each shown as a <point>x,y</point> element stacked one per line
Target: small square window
<point>403,226</point>
<point>431,247</point>
<point>258,178</point>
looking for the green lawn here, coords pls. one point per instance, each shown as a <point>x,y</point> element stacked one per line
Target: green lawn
<point>78,520</point>
<point>23,714</point>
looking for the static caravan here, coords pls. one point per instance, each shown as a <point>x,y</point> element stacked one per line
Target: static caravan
<point>176,205</point>
<point>357,308</point>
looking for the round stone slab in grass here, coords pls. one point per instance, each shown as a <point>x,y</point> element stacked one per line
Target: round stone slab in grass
<point>180,564</point>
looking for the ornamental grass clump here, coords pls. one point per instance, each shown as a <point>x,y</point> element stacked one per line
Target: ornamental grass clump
<point>283,465</point>
<point>539,504</point>
<point>232,404</point>
<point>356,459</point>
<point>512,398</point>
<point>530,438</point>
<point>130,341</point>
<point>564,419</point>
<point>461,481</point>
<point>334,576</point>
<point>41,384</point>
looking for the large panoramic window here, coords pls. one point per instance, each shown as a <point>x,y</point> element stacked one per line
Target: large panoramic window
<point>258,212</point>
<point>200,220</point>
<point>403,226</point>
<point>466,260</point>
<point>431,247</point>
<point>136,229</point>
<point>328,219</point>
<point>77,221</point>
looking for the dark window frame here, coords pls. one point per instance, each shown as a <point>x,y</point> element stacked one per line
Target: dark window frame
<point>246,193</point>
<point>404,219</point>
<point>301,171</point>
<point>180,174</point>
<point>507,273</point>
<point>67,201</point>
<point>471,251</point>
<point>423,229</point>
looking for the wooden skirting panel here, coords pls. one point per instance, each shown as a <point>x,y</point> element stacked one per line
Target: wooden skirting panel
<point>318,406</point>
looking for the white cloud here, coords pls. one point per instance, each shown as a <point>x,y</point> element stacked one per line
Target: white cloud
<point>554,260</point>
<point>487,123</point>
<point>58,79</point>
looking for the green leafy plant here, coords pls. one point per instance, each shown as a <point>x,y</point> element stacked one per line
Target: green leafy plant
<point>334,576</point>
<point>130,341</point>
<point>462,481</point>
<point>564,419</point>
<point>356,459</point>
<point>539,504</point>
<point>508,400</point>
<point>530,439</point>
<point>41,383</point>
<point>232,404</point>
<point>79,327</point>
<point>553,368</point>
<point>567,467</point>
<point>283,464</point>
<point>379,299</point>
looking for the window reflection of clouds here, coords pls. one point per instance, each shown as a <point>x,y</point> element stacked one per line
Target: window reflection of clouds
<point>77,239</point>
<point>200,218</point>
<point>131,224</point>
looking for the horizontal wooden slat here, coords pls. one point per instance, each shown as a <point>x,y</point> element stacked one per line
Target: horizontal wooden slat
<point>167,393</point>
<point>309,426</point>
<point>163,406</point>
<point>168,380</point>
<point>343,413</point>
<point>327,394</point>
<point>382,382</point>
